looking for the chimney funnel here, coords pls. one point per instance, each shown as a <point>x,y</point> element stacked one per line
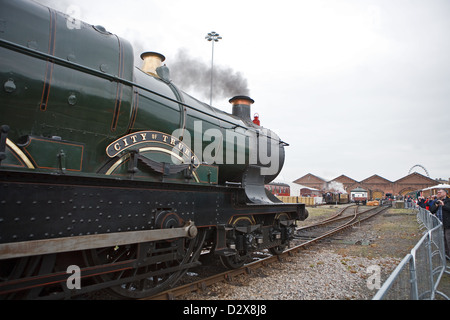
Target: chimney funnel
<point>241,107</point>
<point>152,61</point>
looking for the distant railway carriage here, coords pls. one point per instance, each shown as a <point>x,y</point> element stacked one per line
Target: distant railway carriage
<point>279,189</point>
<point>359,196</point>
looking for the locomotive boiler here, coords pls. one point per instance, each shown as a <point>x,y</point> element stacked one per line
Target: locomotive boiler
<point>117,171</point>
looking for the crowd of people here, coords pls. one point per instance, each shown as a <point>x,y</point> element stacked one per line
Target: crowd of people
<point>427,202</point>
<point>439,205</point>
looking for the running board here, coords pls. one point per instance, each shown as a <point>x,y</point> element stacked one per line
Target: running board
<point>47,246</point>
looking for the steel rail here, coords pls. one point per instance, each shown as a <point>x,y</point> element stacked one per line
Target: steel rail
<point>337,217</point>
<point>325,221</point>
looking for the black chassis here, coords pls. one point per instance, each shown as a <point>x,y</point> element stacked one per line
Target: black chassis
<point>37,206</point>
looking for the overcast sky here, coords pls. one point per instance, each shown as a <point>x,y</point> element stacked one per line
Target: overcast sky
<point>355,87</point>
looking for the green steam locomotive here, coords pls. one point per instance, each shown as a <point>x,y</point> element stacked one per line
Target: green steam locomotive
<point>115,170</point>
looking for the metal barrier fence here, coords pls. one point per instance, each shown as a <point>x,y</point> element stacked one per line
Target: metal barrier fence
<point>418,274</point>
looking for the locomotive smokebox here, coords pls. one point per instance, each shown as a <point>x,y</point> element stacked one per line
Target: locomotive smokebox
<point>241,107</point>
<point>152,61</point>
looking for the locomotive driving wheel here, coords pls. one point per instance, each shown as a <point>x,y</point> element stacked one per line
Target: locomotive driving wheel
<point>241,256</point>
<point>277,223</point>
<point>159,265</point>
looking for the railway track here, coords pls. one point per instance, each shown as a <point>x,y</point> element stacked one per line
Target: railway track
<point>305,236</point>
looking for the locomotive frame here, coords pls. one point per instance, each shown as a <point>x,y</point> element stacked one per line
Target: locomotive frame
<point>90,205</point>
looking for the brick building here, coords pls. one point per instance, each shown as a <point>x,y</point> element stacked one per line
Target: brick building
<point>376,185</point>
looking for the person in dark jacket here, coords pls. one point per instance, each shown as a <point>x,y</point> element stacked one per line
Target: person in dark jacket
<point>441,208</point>
<point>421,202</point>
<point>433,199</point>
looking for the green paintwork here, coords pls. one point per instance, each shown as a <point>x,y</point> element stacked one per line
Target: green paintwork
<point>59,155</point>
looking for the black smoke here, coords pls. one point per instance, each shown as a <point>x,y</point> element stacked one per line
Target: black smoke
<point>189,73</point>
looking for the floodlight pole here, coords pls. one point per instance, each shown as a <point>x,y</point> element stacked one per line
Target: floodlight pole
<point>213,37</point>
